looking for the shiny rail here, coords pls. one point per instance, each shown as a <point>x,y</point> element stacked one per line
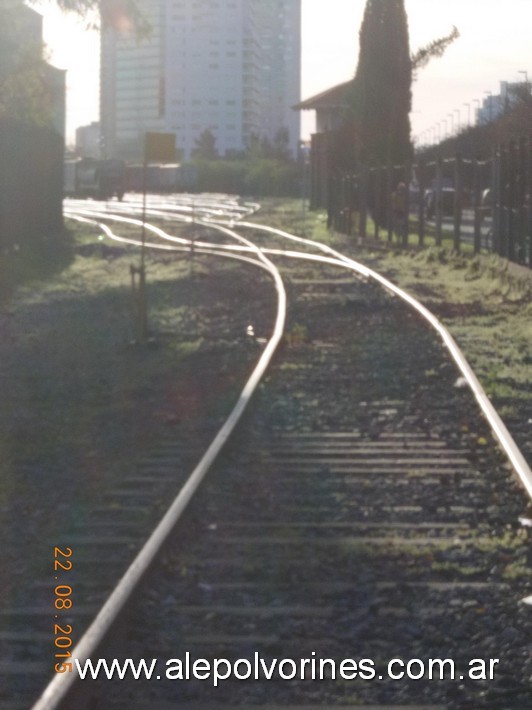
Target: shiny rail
<point>61,683</point>
<point>499,429</point>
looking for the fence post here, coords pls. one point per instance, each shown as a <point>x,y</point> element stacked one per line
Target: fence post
<point>331,186</point>
<point>476,207</point>
<point>350,207</point>
<point>496,244</point>
<point>406,225</point>
<point>510,200</point>
<point>503,177</point>
<point>437,199</point>
<point>373,199</point>
<point>457,207</point>
<point>363,201</point>
<point>421,206</point>
<point>520,200</point>
<point>389,206</point>
<point>528,197</point>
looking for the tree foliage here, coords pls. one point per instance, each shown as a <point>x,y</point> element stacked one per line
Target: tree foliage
<point>433,49</point>
<point>382,97</point>
<point>205,146</point>
<point>121,14</point>
<point>261,147</point>
<point>27,92</point>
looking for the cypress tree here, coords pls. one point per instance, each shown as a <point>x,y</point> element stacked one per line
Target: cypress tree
<point>382,95</point>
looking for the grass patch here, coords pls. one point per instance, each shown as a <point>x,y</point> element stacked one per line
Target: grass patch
<point>80,403</point>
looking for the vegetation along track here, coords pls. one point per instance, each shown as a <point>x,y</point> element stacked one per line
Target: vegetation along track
<point>362,511</point>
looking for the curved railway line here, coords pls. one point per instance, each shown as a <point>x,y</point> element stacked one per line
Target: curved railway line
<point>358,510</point>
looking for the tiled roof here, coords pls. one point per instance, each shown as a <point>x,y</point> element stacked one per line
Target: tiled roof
<point>331,98</point>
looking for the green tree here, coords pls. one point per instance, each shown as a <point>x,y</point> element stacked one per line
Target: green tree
<point>26,92</point>
<point>281,145</point>
<point>205,148</point>
<point>382,89</point>
<point>29,92</point>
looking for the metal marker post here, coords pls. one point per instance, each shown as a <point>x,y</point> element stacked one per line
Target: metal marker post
<point>158,148</point>
<point>142,324</point>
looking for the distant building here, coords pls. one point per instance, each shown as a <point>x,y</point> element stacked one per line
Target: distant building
<point>88,140</point>
<point>328,145</point>
<point>330,106</point>
<point>495,105</point>
<point>228,66</point>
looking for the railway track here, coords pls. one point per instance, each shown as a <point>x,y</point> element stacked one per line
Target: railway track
<point>362,522</point>
<point>359,512</point>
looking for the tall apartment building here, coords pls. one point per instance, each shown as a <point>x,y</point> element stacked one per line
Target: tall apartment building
<point>228,66</point>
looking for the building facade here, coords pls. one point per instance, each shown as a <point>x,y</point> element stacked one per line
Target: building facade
<point>230,67</point>
<point>88,140</point>
<point>495,105</point>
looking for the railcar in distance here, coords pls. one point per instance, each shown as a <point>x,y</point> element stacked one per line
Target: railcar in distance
<point>90,177</point>
<point>160,178</point>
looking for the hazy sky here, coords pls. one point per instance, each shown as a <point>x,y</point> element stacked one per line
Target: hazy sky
<point>495,45</point>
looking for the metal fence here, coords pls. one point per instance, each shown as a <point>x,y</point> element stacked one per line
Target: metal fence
<point>486,204</point>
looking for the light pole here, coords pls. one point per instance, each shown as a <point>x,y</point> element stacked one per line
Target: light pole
<point>457,111</point>
<point>477,101</point>
<point>523,71</point>
<point>490,104</point>
<point>468,114</point>
<point>452,123</point>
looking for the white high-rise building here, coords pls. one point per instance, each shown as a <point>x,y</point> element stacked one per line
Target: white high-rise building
<point>231,67</point>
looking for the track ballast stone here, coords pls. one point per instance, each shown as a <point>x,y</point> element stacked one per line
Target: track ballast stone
<point>362,511</point>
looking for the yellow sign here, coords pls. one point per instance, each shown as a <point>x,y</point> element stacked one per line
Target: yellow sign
<point>159,148</point>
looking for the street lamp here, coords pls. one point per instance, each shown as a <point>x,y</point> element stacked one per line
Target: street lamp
<point>452,123</point>
<point>523,71</point>
<point>468,114</point>
<point>477,101</point>
<point>457,111</point>
<point>490,104</point>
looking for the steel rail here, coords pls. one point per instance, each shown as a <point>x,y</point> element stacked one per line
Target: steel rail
<point>499,429</point>
<point>58,687</point>
<point>501,433</point>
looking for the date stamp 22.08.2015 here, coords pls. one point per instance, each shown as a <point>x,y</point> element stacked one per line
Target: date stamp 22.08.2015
<point>63,565</point>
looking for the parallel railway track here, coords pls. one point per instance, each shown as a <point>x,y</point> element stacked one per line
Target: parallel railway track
<point>359,522</point>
